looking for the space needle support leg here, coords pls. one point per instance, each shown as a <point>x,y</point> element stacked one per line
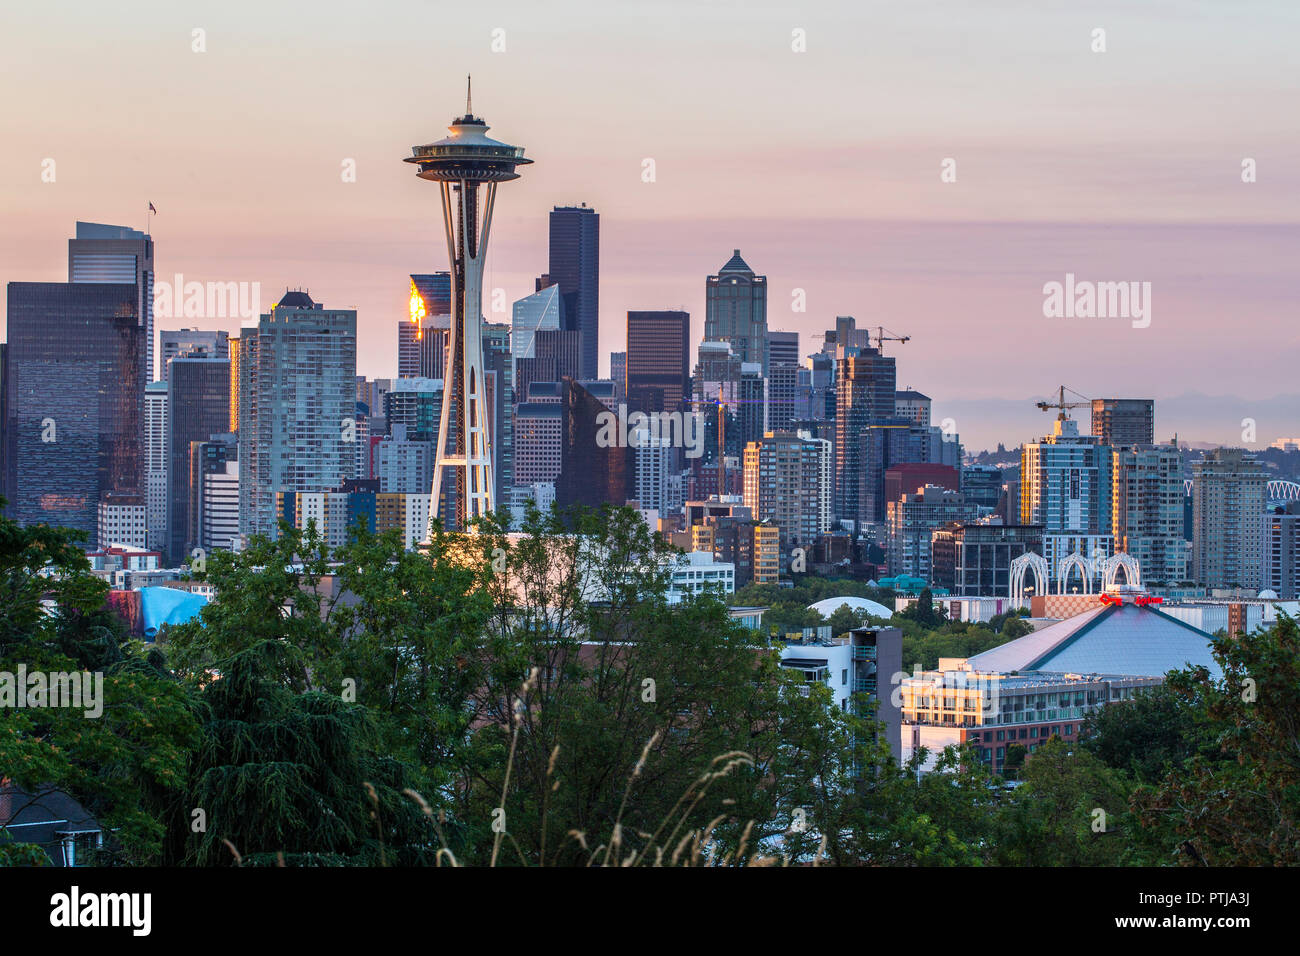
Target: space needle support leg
<point>444,415</point>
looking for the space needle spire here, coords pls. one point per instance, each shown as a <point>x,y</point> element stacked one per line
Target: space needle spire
<point>460,163</point>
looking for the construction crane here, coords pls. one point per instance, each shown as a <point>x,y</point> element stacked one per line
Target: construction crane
<point>1063,405</point>
<point>882,338</point>
<point>722,435</point>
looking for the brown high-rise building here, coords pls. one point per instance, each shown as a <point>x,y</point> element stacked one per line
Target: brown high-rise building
<point>658,362</point>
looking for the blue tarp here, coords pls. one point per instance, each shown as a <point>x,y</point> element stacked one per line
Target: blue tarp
<point>161,606</point>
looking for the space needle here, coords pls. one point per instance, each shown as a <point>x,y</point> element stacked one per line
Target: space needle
<point>460,163</point>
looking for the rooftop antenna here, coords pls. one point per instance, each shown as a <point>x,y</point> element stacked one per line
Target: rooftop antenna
<point>469,95</point>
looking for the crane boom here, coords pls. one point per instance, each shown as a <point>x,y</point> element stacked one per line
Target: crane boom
<point>1062,405</point>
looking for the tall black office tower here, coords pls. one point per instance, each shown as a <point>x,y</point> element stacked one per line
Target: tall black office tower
<point>119,254</point>
<point>74,401</point>
<point>575,268</point>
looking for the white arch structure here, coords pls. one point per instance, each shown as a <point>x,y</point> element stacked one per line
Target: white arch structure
<point>1110,571</point>
<point>1076,560</point>
<point>1029,561</point>
<point>1279,490</point>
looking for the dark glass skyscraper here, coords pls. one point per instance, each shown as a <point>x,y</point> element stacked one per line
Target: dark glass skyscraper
<point>575,268</point>
<point>865,397</point>
<point>116,255</point>
<point>74,401</point>
<point>591,474</point>
<point>198,406</point>
<point>657,362</point>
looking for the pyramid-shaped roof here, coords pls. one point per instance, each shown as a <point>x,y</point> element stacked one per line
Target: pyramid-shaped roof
<point>1129,639</point>
<point>736,264</point>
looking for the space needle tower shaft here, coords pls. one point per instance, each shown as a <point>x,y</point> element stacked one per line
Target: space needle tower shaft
<point>462,162</point>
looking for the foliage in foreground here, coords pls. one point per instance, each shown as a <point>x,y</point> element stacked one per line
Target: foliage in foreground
<point>530,699</point>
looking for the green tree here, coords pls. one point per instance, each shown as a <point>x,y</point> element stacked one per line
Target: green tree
<point>610,719</point>
<point>1241,805</point>
<point>1071,810</point>
<point>1154,734</point>
<point>906,817</point>
<point>292,777</point>
<point>123,766</point>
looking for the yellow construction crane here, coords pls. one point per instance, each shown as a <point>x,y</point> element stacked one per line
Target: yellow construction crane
<point>1062,405</point>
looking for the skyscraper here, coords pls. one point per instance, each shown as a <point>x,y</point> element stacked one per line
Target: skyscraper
<point>658,360</point>
<point>178,342</point>
<point>118,255</point>
<point>735,310</point>
<point>74,401</point>
<point>297,396</point>
<point>785,482</point>
<point>782,348</point>
<point>1066,487</point>
<point>198,405</point>
<point>155,465</point>
<point>912,405</point>
<point>1120,422</point>
<point>1228,520</point>
<point>1147,502</point>
<point>783,379</point>
<point>414,403</point>
<point>541,310</point>
<point>655,460</point>
<point>618,372</point>
<point>575,268</point>
<point>428,309</point>
<point>592,473</point>
<point>865,389</point>
<point>558,355</point>
<point>214,492</point>
<point>913,518</point>
<point>1065,482</point>
<point>538,431</point>
<point>1281,572</point>
<point>498,368</point>
<point>460,163</point>
<point>404,466</point>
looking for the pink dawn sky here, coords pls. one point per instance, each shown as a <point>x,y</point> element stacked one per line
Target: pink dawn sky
<point>822,166</point>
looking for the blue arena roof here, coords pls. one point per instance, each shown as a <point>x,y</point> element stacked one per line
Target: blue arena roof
<point>160,606</point>
<point>1127,639</point>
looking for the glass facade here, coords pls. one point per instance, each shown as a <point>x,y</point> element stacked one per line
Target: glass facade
<point>74,402</point>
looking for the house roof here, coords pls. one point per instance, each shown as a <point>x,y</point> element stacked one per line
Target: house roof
<point>43,817</point>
